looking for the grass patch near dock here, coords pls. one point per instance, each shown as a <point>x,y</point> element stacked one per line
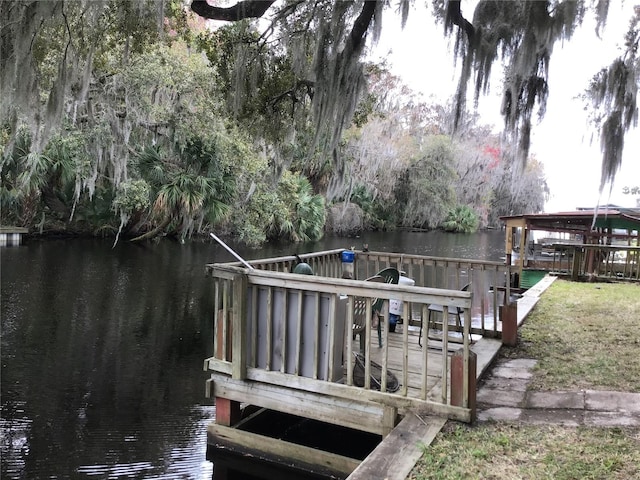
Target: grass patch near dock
<point>511,451</point>
<point>584,336</point>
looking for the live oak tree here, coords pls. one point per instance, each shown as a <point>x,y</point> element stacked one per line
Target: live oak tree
<point>295,66</point>
<point>520,34</point>
<point>325,41</point>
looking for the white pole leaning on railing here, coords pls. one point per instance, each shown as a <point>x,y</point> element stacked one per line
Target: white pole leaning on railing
<point>230,250</point>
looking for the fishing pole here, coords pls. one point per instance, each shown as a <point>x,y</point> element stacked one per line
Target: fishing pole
<point>230,250</point>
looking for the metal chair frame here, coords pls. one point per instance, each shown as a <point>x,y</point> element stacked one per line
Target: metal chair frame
<point>388,275</point>
<point>435,308</point>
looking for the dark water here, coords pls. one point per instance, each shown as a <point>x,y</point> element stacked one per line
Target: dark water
<point>102,351</point>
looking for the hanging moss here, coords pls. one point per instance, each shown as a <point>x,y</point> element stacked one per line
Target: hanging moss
<point>522,35</point>
<point>613,95</point>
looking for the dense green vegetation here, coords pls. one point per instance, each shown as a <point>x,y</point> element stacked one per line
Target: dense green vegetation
<point>136,119</point>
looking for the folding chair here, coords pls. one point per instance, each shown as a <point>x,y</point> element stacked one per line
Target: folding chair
<point>360,312</point>
<point>457,312</point>
<point>388,275</point>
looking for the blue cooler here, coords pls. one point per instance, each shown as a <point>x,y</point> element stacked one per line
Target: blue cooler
<point>347,257</point>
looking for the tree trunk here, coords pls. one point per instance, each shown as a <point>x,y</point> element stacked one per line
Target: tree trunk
<point>51,200</point>
<point>153,233</point>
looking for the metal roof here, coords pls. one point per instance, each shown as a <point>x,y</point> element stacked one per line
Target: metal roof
<point>580,221</point>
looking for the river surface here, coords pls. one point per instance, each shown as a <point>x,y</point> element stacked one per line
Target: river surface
<point>102,350</point>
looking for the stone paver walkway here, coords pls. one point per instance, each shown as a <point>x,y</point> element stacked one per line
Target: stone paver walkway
<point>503,396</point>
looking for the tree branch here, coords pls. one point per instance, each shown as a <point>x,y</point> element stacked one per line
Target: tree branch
<point>153,233</point>
<point>241,10</point>
<point>299,83</point>
<point>454,17</point>
<point>361,25</point>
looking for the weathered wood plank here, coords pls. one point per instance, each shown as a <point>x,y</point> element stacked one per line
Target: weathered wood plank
<point>332,340</point>
<point>486,349</point>
<point>220,366</point>
<point>9,229</point>
<point>239,341</point>
<point>396,455</point>
<point>424,387</point>
<point>338,286</point>
<point>349,393</point>
<point>316,335</point>
<point>254,326</point>
<point>269,332</point>
<point>299,333</point>
<point>275,450</point>
<point>359,415</point>
<point>283,338</point>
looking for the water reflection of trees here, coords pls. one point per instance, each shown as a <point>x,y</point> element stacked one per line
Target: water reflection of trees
<point>100,343</point>
<point>102,348</point>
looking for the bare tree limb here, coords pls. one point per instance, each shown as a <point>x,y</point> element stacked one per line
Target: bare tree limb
<point>153,233</point>
<point>454,17</point>
<point>361,25</point>
<point>291,92</point>
<point>241,10</point>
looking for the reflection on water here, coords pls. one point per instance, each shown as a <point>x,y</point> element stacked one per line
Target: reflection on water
<point>488,245</point>
<point>102,351</point>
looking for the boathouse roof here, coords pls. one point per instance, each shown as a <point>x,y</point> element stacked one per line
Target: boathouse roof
<point>579,221</point>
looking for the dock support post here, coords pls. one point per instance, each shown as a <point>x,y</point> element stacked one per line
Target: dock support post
<point>509,318</point>
<point>220,471</point>
<point>577,261</point>
<point>228,412</point>
<point>457,381</point>
<point>389,419</point>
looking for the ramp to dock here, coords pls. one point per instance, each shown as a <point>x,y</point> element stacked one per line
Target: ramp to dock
<point>396,455</point>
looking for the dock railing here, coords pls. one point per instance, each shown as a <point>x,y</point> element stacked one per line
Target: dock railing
<point>615,262</point>
<point>295,331</point>
<point>291,330</point>
<point>490,281</point>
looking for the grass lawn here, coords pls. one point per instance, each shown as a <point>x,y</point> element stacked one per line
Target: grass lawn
<point>584,336</point>
<point>510,452</point>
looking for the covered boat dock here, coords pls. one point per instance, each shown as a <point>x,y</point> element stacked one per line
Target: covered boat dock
<point>585,244</point>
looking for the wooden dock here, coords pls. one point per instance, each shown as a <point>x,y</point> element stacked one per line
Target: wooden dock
<point>598,245</point>
<point>410,425</point>
<point>12,236</point>
<point>284,343</point>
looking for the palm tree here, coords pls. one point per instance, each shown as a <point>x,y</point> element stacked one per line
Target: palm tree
<point>30,179</point>
<point>461,219</point>
<point>299,215</point>
<point>190,188</point>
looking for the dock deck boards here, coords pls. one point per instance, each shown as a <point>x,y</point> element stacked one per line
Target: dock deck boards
<point>484,348</point>
<point>397,454</point>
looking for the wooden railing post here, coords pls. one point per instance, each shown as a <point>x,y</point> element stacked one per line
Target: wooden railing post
<point>509,318</point>
<point>577,261</point>
<point>461,396</point>
<point>239,329</point>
